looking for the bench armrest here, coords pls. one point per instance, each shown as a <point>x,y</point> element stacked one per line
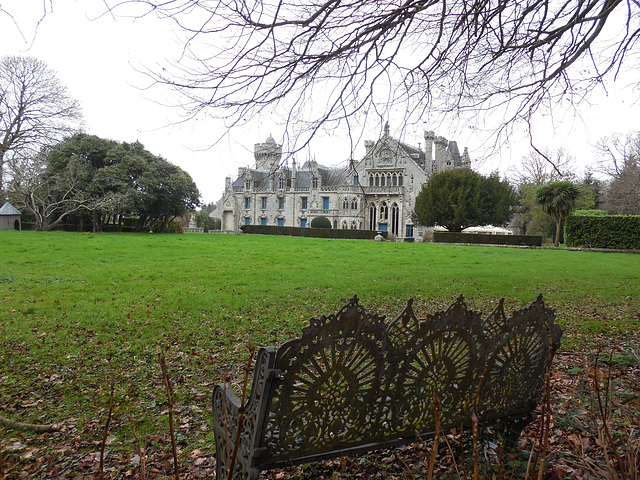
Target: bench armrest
<point>227,410</point>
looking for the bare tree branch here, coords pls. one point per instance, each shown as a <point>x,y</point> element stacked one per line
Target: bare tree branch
<point>35,109</point>
<point>244,56</point>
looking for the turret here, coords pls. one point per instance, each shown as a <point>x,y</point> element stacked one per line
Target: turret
<point>428,148</point>
<point>441,153</point>
<point>466,159</point>
<point>294,174</point>
<point>267,155</point>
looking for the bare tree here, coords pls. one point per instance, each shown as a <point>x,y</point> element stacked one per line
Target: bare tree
<point>35,109</point>
<point>623,194</point>
<point>615,151</point>
<point>540,168</point>
<point>49,198</point>
<point>335,62</point>
<point>619,157</point>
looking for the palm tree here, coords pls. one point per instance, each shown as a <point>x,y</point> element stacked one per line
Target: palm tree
<point>557,199</point>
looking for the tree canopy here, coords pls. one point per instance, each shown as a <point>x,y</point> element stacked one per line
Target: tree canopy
<point>111,180</point>
<point>35,109</point>
<point>330,62</point>
<point>461,198</point>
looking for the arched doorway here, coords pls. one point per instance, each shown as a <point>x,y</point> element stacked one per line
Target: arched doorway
<point>16,224</point>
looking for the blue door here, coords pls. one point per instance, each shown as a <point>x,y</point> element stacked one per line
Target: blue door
<point>409,231</point>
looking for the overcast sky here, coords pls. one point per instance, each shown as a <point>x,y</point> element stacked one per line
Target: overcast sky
<point>99,59</point>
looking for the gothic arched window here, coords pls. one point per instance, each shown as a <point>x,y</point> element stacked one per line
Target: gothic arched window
<point>384,211</point>
<point>372,216</point>
<point>395,218</point>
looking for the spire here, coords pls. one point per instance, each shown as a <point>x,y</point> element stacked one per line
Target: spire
<point>386,128</point>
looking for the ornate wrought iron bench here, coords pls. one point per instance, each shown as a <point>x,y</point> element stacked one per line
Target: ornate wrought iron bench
<point>354,383</point>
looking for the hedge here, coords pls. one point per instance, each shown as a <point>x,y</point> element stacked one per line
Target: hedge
<point>311,232</point>
<point>612,231</point>
<point>479,238</point>
<point>320,222</point>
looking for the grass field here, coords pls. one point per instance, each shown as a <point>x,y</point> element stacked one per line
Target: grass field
<point>77,309</point>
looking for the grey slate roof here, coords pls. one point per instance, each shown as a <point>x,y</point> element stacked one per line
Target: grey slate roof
<point>8,209</point>
<point>328,176</point>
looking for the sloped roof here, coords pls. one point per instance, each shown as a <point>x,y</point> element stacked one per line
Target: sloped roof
<point>8,209</point>
<point>415,154</point>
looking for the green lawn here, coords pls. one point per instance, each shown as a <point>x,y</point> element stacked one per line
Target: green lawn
<point>76,309</point>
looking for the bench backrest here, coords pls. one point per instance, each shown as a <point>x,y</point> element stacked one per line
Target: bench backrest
<point>354,382</point>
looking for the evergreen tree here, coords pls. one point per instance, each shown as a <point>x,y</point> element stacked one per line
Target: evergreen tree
<point>558,199</point>
<point>460,198</point>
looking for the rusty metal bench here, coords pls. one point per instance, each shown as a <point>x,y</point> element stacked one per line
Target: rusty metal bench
<point>355,383</point>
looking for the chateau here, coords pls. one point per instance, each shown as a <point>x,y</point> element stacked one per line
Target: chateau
<point>376,193</point>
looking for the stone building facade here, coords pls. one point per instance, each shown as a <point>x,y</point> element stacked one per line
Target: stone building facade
<point>375,193</point>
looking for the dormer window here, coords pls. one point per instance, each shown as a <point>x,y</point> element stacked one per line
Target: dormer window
<point>314,182</point>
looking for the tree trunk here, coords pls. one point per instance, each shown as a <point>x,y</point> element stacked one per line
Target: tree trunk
<point>558,230</point>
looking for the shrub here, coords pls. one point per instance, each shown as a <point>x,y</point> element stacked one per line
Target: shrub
<point>590,213</point>
<point>611,231</point>
<point>474,238</point>
<point>321,222</point>
<point>311,232</point>
<point>162,226</point>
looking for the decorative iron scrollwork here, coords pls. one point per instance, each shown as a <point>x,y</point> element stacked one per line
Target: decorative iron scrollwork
<point>353,382</point>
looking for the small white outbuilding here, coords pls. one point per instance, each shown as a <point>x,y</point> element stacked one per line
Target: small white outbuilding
<point>488,230</point>
<point>10,218</point>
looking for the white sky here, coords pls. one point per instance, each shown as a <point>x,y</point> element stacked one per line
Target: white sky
<point>97,58</point>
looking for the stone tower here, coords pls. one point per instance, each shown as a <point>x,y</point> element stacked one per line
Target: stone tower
<point>429,137</point>
<point>442,162</point>
<point>267,155</point>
